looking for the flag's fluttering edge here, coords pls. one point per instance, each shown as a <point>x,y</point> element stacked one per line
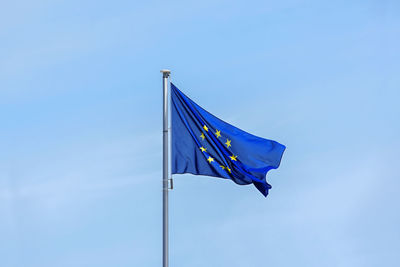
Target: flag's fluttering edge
<point>202,144</point>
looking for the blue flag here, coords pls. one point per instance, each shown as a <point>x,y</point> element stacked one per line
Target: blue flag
<point>202,144</point>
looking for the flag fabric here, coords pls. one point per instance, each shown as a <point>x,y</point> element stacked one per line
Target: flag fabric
<point>202,144</point>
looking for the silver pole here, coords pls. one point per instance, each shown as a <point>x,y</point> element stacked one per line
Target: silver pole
<point>166,74</point>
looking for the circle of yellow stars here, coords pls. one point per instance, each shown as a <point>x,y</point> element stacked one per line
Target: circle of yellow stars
<point>227,144</point>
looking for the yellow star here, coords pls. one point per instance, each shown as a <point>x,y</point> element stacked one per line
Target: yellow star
<point>223,167</point>
<point>210,159</point>
<point>218,133</point>
<point>228,143</point>
<point>233,157</point>
<point>205,128</point>
<point>203,149</point>
<point>202,136</point>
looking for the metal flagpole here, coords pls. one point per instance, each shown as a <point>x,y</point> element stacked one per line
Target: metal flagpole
<point>166,74</point>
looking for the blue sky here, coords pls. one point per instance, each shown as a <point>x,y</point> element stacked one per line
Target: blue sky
<point>81,132</point>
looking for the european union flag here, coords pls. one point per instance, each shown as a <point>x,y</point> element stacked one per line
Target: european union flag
<point>202,144</point>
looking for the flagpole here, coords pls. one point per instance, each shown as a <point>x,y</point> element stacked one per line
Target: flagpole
<point>166,74</point>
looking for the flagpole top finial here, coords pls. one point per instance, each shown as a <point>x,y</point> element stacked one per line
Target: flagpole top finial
<point>165,73</point>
